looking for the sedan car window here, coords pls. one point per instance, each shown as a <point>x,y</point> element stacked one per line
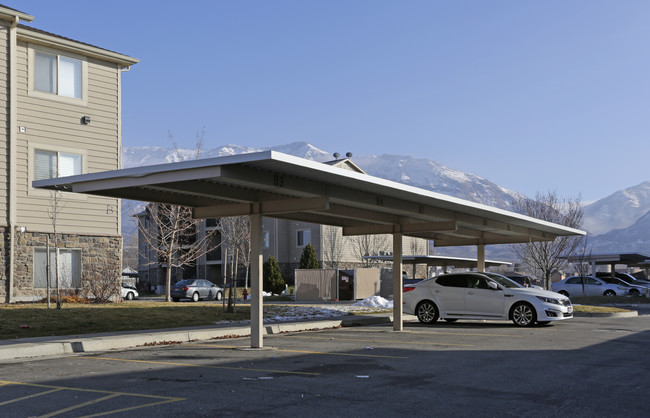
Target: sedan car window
<point>456,280</point>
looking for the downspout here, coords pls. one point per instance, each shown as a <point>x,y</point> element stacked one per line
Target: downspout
<point>13,121</point>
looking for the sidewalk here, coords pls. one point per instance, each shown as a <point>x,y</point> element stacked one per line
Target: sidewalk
<point>27,349</point>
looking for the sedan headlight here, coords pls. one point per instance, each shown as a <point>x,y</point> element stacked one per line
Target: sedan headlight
<point>549,300</point>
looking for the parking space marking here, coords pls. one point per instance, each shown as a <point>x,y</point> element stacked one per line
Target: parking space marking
<point>462,334</point>
<point>384,341</point>
<point>433,332</point>
<point>159,400</point>
<point>24,398</point>
<point>298,351</point>
<point>243,369</point>
<point>80,405</point>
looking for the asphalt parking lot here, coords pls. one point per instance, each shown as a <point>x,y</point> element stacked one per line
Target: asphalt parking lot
<point>582,367</point>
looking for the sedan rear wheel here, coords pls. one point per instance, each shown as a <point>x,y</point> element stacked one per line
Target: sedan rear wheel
<point>609,293</point>
<point>523,315</point>
<point>195,297</point>
<point>427,312</point>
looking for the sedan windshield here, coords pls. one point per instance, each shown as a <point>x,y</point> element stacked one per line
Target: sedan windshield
<point>502,280</point>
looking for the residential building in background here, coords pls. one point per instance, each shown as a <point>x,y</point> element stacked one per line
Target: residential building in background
<point>61,116</point>
<point>283,239</point>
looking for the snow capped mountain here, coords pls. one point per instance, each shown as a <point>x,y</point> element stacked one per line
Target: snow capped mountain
<point>617,211</point>
<point>141,156</point>
<point>634,239</point>
<point>617,223</point>
<point>418,172</point>
<point>431,175</point>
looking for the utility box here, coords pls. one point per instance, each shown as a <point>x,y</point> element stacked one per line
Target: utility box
<point>332,284</point>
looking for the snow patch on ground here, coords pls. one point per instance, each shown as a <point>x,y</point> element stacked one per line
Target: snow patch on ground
<point>289,313</point>
<point>375,302</point>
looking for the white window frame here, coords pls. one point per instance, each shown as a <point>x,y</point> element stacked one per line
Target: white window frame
<point>33,147</point>
<point>300,236</point>
<point>69,277</point>
<point>32,91</point>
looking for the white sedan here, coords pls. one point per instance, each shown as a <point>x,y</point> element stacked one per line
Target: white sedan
<point>128,292</point>
<point>483,296</point>
<point>592,286</point>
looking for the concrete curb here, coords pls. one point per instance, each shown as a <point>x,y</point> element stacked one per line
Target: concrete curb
<point>40,348</point>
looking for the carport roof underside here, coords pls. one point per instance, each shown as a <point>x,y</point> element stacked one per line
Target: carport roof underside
<point>278,185</point>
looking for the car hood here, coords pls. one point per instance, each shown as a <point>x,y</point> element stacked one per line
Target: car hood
<point>535,292</point>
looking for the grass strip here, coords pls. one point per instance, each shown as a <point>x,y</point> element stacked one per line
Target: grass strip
<point>35,320</point>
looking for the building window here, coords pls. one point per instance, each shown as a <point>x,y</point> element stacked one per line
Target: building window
<point>51,164</point>
<point>69,268</point>
<point>58,74</point>
<point>266,239</point>
<point>303,237</point>
<point>212,222</point>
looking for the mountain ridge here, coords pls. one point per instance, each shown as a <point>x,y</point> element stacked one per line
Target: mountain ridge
<point>613,222</point>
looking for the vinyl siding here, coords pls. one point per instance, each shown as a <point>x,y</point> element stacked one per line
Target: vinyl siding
<point>4,132</point>
<point>57,125</point>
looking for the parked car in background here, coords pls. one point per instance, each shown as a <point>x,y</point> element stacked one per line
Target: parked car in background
<point>196,289</point>
<point>128,292</point>
<point>634,290</point>
<point>483,296</point>
<point>573,286</point>
<point>525,281</point>
<point>627,278</point>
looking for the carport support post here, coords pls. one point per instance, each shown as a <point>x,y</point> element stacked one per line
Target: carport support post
<point>256,282</point>
<point>480,258</point>
<point>397,282</point>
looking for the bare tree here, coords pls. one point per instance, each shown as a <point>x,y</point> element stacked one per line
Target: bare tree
<point>417,246</point>
<point>56,206</point>
<point>236,236</point>
<point>549,256</point>
<point>581,261</point>
<point>333,246</point>
<point>102,280</point>
<point>172,233</point>
<point>366,245</point>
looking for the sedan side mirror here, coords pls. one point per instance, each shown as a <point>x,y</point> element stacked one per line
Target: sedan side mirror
<point>492,285</point>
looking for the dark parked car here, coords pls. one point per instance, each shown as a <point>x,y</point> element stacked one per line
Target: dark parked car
<point>196,289</point>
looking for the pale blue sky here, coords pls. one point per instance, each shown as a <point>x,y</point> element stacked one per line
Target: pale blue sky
<point>532,95</point>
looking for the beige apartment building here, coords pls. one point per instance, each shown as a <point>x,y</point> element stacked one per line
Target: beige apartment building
<point>60,115</point>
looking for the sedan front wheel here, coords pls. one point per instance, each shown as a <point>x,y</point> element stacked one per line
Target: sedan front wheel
<point>427,312</point>
<point>523,315</point>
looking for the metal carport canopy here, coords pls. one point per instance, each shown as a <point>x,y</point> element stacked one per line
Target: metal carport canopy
<point>278,185</point>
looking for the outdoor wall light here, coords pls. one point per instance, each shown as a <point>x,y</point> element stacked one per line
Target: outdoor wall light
<point>85,120</point>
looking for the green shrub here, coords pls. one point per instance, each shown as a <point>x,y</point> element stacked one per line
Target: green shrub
<point>308,259</point>
<point>272,276</point>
